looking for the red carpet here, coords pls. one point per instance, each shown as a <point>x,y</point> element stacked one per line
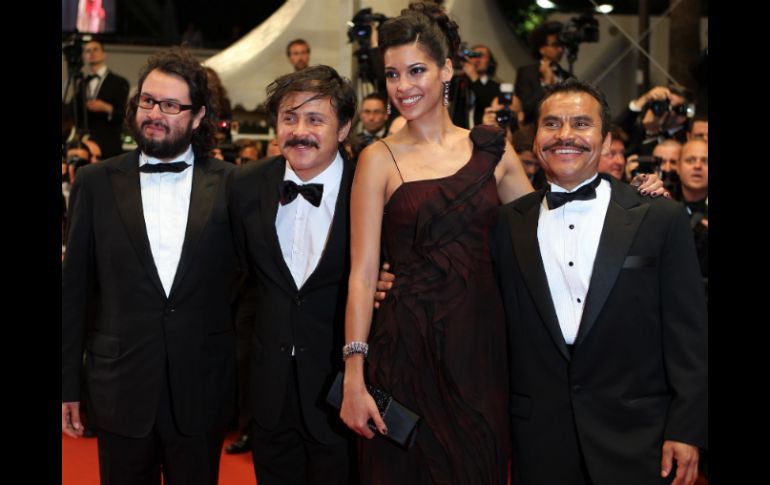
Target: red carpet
<point>80,463</point>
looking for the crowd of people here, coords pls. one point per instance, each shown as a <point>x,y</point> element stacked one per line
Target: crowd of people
<point>526,288</point>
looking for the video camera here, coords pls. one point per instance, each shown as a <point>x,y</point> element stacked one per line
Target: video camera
<point>359,32</point>
<point>580,29</point>
<point>360,27</point>
<point>72,48</point>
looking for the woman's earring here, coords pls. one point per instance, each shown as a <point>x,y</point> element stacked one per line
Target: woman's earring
<point>388,106</point>
<point>446,93</point>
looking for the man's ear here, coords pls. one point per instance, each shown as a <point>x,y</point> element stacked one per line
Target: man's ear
<point>342,133</point>
<point>198,117</point>
<point>607,144</point>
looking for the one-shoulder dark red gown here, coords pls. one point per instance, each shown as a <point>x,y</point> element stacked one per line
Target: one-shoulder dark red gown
<point>438,342</point>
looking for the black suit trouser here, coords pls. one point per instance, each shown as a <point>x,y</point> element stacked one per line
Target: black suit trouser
<point>183,460</point>
<point>289,455</point>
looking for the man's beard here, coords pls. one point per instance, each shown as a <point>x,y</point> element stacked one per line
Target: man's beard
<point>162,149</point>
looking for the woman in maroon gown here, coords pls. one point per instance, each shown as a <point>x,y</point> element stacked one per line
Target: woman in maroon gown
<point>428,196</point>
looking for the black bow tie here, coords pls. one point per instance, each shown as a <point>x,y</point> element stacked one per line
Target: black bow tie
<point>311,192</point>
<point>175,167</point>
<point>558,199</point>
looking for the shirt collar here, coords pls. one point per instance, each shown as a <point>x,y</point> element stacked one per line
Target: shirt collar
<point>556,188</point>
<point>188,156</point>
<point>101,72</point>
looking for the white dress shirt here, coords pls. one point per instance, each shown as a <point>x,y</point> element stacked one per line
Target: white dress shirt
<point>569,238</point>
<point>302,228</point>
<point>95,83</point>
<point>166,204</point>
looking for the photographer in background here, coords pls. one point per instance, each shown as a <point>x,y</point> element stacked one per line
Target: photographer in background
<point>663,161</point>
<point>659,114</point>
<point>480,69</point>
<point>374,123</point>
<point>505,111</point>
<point>532,79</point>
<point>78,155</point>
<point>248,151</point>
<point>693,169</point>
<point>103,94</point>
<point>298,53</point>
<point>613,162</point>
<point>373,116</point>
<point>699,128</point>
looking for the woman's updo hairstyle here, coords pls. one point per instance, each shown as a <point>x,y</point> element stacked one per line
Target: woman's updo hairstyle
<point>426,23</point>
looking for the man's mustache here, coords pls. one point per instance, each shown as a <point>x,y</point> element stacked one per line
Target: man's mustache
<point>301,141</point>
<point>566,144</point>
<point>158,124</point>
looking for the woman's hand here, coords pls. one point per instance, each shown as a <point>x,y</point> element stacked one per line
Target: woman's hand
<point>358,407</point>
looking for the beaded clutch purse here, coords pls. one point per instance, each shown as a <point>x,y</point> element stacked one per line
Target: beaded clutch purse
<point>401,421</point>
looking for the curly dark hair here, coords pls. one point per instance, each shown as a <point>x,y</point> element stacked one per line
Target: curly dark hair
<point>426,23</point>
<point>322,80</point>
<point>180,62</point>
<point>539,36</point>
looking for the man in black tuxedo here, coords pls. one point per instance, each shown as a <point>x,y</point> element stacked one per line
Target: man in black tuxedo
<point>101,101</point>
<point>532,79</point>
<point>146,285</point>
<point>606,316</point>
<point>290,216</point>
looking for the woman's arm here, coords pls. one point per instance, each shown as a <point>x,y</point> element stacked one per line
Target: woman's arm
<point>366,208</point>
<point>512,181</point>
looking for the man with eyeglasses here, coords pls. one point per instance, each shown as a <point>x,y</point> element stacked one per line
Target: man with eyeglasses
<point>101,100</point>
<point>146,288</point>
<point>531,80</point>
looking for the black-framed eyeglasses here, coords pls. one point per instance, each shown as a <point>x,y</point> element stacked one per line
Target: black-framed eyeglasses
<point>168,107</point>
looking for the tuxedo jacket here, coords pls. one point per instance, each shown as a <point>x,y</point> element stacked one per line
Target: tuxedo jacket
<point>105,131</point>
<point>309,319</point>
<point>637,374</point>
<point>114,305</point>
<point>530,91</point>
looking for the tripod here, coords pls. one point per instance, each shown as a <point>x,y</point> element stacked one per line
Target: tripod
<point>75,88</point>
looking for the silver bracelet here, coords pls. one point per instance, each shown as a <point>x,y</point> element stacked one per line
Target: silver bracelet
<point>355,348</point>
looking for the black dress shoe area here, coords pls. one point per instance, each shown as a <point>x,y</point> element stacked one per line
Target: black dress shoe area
<point>243,445</point>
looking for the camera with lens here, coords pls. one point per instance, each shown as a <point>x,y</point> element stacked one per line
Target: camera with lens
<point>72,48</point>
<point>465,53</point>
<point>661,107</point>
<point>504,116</point>
<point>360,27</point>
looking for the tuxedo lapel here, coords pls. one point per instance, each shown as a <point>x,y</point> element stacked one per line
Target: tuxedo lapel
<point>205,183</point>
<point>128,199</point>
<point>523,224</point>
<point>331,260</point>
<point>624,215</point>
<point>269,197</point>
